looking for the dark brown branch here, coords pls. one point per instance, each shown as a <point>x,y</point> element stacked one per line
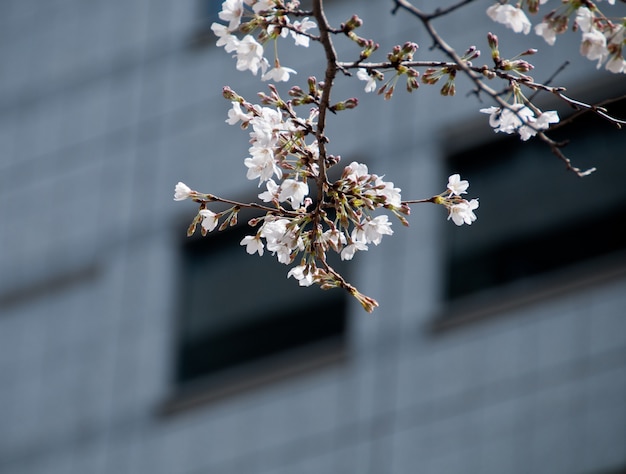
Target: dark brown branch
<point>556,149</point>
<point>444,11</point>
<point>583,110</point>
<point>558,71</point>
<point>598,110</point>
<point>471,73</point>
<point>198,197</point>
<point>329,77</point>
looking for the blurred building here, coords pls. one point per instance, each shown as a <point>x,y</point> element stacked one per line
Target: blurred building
<point>126,347</point>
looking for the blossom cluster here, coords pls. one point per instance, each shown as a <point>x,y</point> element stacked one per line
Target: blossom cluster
<point>350,229</point>
<point>278,149</point>
<point>345,225</point>
<point>602,38</point>
<point>520,119</point>
<point>272,19</point>
<point>460,210</point>
<point>303,215</point>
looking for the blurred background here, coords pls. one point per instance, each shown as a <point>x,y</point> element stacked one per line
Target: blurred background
<point>126,347</point>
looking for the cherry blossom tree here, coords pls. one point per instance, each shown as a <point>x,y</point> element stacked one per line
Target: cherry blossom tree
<point>303,214</point>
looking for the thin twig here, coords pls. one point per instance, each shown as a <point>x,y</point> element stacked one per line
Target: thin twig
<point>556,149</point>
<point>198,197</point>
<point>470,72</point>
<point>558,71</point>
<point>444,11</point>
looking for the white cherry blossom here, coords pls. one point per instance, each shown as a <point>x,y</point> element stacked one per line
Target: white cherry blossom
<point>355,170</point>
<point>510,16</point>
<point>263,5</point>
<point>593,46</point>
<point>535,125</point>
<point>231,12</point>
<point>266,126</point>
<point>547,31</point>
<point>333,238</point>
<point>236,114</point>
<point>386,189</point>
<point>281,239</point>
<point>364,76</point>
<point>545,119</point>
<point>271,193</point>
<point>274,228</point>
<point>584,19</point>
<point>463,212</point>
<point>261,165</point>
<point>349,250</point>
<point>293,191</point>
<point>253,244</point>
<point>250,55</point>
<point>507,120</point>
<point>209,219</point>
<point>372,230</point>
<point>303,26</point>
<point>182,191</point>
<point>456,185</point>
<point>278,74</point>
<point>303,273</point>
<point>616,64</point>
<point>225,38</point>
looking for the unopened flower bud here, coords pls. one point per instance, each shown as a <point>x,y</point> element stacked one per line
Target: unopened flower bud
<point>250,27</point>
<point>229,94</point>
<point>533,6</point>
<point>529,52</point>
<point>408,49</point>
<point>332,160</point>
<point>471,53</point>
<point>493,44</point>
<point>489,74</point>
<point>264,37</point>
<point>223,226</point>
<point>518,65</point>
<point>192,228</point>
<point>345,104</point>
<point>368,303</point>
<point>394,55</point>
<point>368,49</point>
<point>352,24</point>
<point>403,221</point>
<point>492,40</point>
<point>448,89</point>
<point>389,93</point>
<point>431,76</point>
<point>351,103</point>
<point>412,83</point>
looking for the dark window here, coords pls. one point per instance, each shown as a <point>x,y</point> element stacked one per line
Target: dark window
<point>240,312</point>
<point>535,218</point>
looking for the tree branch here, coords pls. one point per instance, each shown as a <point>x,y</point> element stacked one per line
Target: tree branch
<point>324,105</point>
<point>471,73</point>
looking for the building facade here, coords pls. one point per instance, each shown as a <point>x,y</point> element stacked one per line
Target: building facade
<point>126,347</point>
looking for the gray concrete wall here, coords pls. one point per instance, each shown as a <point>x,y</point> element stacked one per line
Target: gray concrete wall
<point>103,108</point>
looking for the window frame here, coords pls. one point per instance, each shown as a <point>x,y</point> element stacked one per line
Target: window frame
<point>532,289</point>
<point>328,348</point>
